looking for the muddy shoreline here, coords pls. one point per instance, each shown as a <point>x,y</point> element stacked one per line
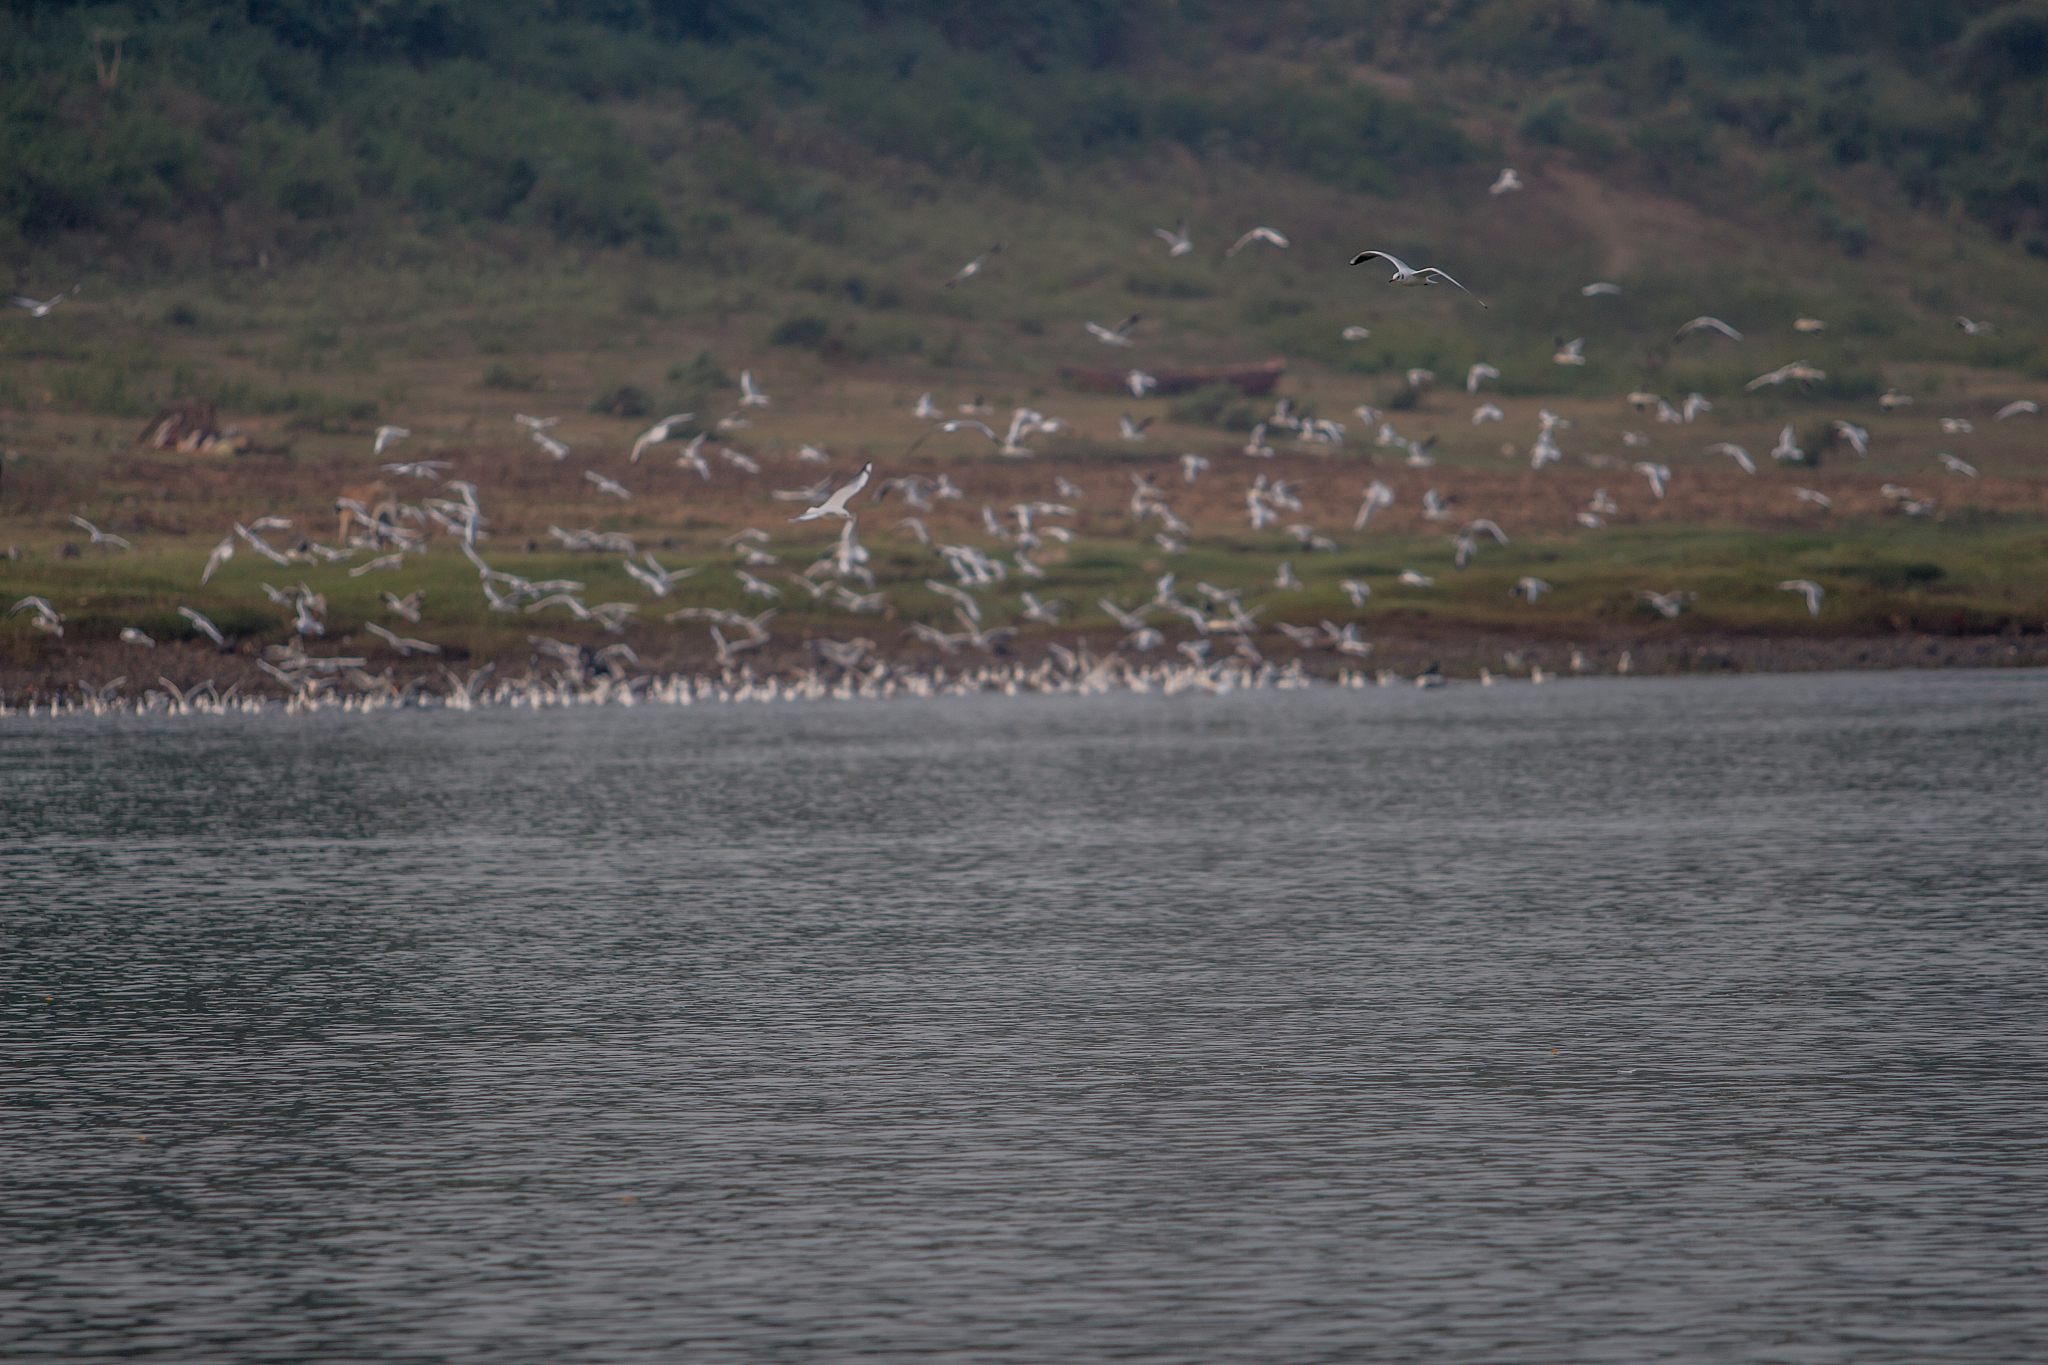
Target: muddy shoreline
<point>66,668</point>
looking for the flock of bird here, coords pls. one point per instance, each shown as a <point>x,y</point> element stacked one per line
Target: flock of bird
<point>1220,648</point>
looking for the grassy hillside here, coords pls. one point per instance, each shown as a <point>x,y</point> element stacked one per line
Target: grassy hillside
<point>322,218</point>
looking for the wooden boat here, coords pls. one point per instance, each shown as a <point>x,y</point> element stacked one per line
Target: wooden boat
<point>1254,381</point>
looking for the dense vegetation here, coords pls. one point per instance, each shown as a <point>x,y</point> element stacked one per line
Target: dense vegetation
<point>464,112</point>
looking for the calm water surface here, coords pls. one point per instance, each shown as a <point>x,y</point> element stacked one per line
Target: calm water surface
<point>1604,1021</point>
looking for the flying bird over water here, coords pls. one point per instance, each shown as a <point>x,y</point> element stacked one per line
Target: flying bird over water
<point>1414,277</point>
<point>1257,234</point>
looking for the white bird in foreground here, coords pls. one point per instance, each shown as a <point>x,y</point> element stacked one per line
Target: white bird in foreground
<point>1599,287</point>
<point>751,397</point>
<point>1479,371</point>
<point>1411,276</point>
<point>1119,335</point>
<point>2014,409</point>
<point>1735,453</point>
<point>1956,466</point>
<point>973,267</point>
<point>388,436</point>
<point>1178,243</point>
<point>658,433</point>
<point>1785,449</point>
<point>604,485</point>
<point>1571,352</point>
<point>835,506</point>
<point>1507,183</point>
<point>417,469</point>
<point>1813,591</point>
<point>1668,604</point>
<point>47,618</point>
<point>202,625</point>
<point>1708,324</point>
<point>1257,234</point>
<point>100,537</point>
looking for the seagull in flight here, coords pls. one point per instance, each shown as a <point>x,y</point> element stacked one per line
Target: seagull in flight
<point>973,267</point>
<point>751,397</point>
<point>1969,328</point>
<point>1477,374</point>
<point>100,537</point>
<point>1953,426</point>
<point>1857,437</point>
<point>1668,604</point>
<point>1178,242</point>
<point>1657,474</point>
<point>1119,335</point>
<point>1191,466</point>
<point>658,433</point>
<point>1599,287</point>
<point>388,436</point>
<point>1808,325</point>
<point>535,423</point>
<point>1814,496</point>
<point>835,506</point>
<point>550,445</point>
<point>957,424</point>
<point>1813,591</point>
<point>418,469</point>
<point>1257,234</point>
<point>1357,333</point>
<point>1570,352</point>
<point>1411,276</point>
<point>1487,412</point>
<point>605,485</point>
<point>1508,182</point>
<point>40,308</point>
<point>1786,449</point>
<point>1140,383</point>
<point>202,625</point>
<point>1416,580</point>
<point>1132,429</point>
<point>1948,462</point>
<point>1709,324</point>
<point>1735,453</point>
<point>1529,588</point>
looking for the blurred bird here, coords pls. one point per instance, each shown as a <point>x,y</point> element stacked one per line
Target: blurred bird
<point>1257,234</point>
<point>1507,183</point>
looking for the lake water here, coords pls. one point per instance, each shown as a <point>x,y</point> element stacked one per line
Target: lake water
<point>1616,1020</point>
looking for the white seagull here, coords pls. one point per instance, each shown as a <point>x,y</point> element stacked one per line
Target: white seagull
<point>751,397</point>
<point>1257,234</point>
<point>1735,453</point>
<point>202,625</point>
<point>1785,449</point>
<point>1178,243</point>
<point>1529,588</point>
<point>1479,372</point>
<point>1857,437</point>
<point>973,267</point>
<point>2014,409</point>
<point>388,436</point>
<point>1599,287</point>
<point>605,485</point>
<point>40,308</point>
<point>1813,591</point>
<point>99,537</point>
<point>1508,182</point>
<point>1948,462</point>
<point>1119,335</point>
<point>1570,352</point>
<point>1657,474</point>
<point>835,506</point>
<point>1708,324</point>
<point>658,433</point>
<point>1411,276</point>
<point>1357,333</point>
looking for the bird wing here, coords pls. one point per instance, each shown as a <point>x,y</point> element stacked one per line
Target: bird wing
<point>1430,270</point>
<point>837,502</point>
<point>1400,266</point>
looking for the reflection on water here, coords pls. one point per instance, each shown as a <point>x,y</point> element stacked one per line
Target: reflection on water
<point>1673,1020</point>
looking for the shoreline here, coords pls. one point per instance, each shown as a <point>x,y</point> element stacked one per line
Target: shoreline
<point>102,675</point>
